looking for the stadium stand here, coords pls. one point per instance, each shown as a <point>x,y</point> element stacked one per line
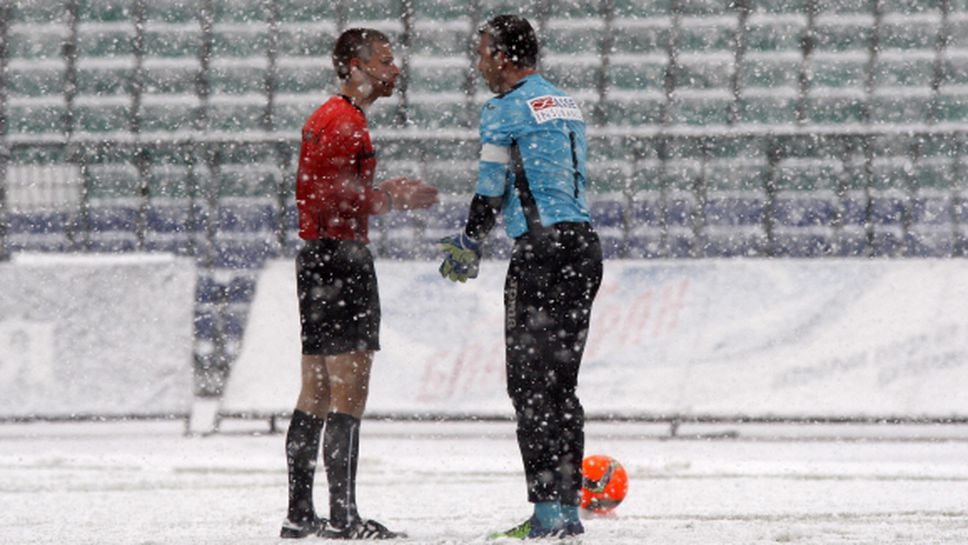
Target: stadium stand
<point>789,128</point>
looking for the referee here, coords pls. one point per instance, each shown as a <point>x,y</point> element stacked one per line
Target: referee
<point>532,167</point>
<point>339,305</point>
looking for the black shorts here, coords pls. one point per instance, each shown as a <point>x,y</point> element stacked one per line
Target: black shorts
<point>339,303</point>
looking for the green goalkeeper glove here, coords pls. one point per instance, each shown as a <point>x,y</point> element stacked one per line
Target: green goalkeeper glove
<point>462,259</point>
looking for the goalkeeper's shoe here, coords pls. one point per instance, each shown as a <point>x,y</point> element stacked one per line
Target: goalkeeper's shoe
<point>529,529</point>
<point>301,528</point>
<point>571,529</point>
<point>360,529</point>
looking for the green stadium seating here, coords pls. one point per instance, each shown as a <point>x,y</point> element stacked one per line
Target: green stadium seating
<point>768,108</point>
<point>304,76</point>
<point>705,109</point>
<point>705,71</point>
<point>572,73</point>
<point>773,33</point>
<point>634,9</point>
<point>24,79</point>
<point>238,40</point>
<point>631,72</point>
<point>36,117</point>
<point>306,11</point>
<point>314,40</point>
<point>113,78</point>
<point>770,70</point>
<point>956,69</point>
<point>374,10</point>
<point>839,70</point>
<point>171,76</point>
<point>444,39</point>
<point>836,34</point>
<point>562,38</point>
<point>102,116</point>
<point>715,36</point>
<point>116,41</point>
<point>910,32</point>
<point>952,106</point>
<point>36,42</point>
<point>234,115</point>
<point>630,110</point>
<point>113,180</point>
<point>171,11</point>
<point>904,71</point>
<point>440,111</point>
<point>168,112</point>
<point>238,78</point>
<point>630,37</point>
<point>172,40</point>
<point>438,74</point>
<point>851,7</point>
<point>824,107</point>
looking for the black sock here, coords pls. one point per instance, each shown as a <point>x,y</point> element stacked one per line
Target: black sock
<point>302,450</point>
<point>341,448</point>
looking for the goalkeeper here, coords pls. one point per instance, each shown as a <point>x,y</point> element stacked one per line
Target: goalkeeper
<point>532,167</point>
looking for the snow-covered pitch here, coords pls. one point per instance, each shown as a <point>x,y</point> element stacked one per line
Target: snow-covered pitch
<point>131,483</point>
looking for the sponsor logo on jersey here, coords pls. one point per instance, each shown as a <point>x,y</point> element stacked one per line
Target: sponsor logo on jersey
<point>547,108</point>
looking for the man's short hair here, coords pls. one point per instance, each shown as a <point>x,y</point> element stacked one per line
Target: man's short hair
<point>513,36</point>
<point>355,43</point>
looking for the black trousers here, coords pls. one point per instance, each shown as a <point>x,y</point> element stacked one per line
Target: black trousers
<point>551,283</point>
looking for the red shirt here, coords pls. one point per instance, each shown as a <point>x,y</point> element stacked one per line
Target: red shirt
<point>334,181</point>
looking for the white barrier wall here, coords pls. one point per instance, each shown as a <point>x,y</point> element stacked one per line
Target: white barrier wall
<point>729,337</point>
<point>96,335</point>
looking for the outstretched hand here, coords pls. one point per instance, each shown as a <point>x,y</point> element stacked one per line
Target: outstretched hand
<point>409,193</point>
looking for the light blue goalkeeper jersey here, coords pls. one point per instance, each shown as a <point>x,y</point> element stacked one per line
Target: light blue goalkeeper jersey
<point>544,127</point>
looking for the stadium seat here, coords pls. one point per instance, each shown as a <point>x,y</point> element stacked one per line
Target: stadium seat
<point>565,37</point>
<point>98,115</point>
<point>246,114</point>
<point>630,72</point>
<point>238,77</point>
<point>910,68</point>
<point>105,11</point>
<point>171,76</point>
<point>438,74</point>
<point>171,41</point>
<point>304,76</point>
<point>902,107</point>
<point>905,32</point>
<point>168,112</point>
<point>631,110</point>
<point>804,243</point>
<point>41,43</point>
<point>248,39</point>
<point>36,222</point>
<point>572,73</point>
<point>770,71</point>
<point>839,70</point>
<point>108,41</point>
<point>701,108</point>
<point>767,32</point>
<point>34,80</point>
<point>836,33</point>
<point>36,116</point>
<point>247,217</point>
<point>708,34</point>
<point>104,78</point>
<point>765,107</point>
<point>827,107</point>
<point>709,70</point>
<point>634,37</point>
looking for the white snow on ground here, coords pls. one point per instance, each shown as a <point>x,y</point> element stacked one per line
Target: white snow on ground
<point>146,483</point>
